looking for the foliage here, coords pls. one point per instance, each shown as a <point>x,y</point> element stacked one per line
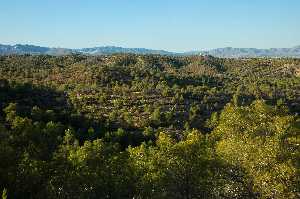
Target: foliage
<point>149,126</point>
<point>255,138</point>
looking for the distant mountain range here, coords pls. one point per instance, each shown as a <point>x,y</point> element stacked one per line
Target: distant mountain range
<point>104,50</point>
<point>107,50</point>
<point>254,52</point>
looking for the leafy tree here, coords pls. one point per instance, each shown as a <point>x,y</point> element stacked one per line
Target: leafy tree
<point>93,170</point>
<point>174,170</point>
<point>157,116</point>
<point>4,194</point>
<point>253,137</point>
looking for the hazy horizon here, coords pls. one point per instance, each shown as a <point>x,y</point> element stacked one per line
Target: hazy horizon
<point>141,47</point>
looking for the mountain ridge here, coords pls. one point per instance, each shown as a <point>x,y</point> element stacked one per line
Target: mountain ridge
<point>227,52</point>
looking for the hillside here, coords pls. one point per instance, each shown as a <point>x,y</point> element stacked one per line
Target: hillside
<point>149,126</point>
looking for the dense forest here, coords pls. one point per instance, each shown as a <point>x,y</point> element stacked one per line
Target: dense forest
<point>149,126</point>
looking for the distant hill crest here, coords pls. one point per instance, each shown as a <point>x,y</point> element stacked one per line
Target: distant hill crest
<point>227,52</point>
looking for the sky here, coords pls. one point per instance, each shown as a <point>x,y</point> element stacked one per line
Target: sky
<point>174,25</point>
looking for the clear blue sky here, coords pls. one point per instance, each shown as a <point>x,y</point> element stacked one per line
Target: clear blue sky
<point>177,25</point>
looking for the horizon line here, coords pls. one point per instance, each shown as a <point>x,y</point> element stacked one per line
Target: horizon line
<point>171,51</point>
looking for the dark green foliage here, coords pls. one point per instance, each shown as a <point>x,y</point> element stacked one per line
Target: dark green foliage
<point>149,126</point>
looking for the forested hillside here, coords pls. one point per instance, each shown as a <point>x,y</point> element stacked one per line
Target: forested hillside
<point>149,126</point>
